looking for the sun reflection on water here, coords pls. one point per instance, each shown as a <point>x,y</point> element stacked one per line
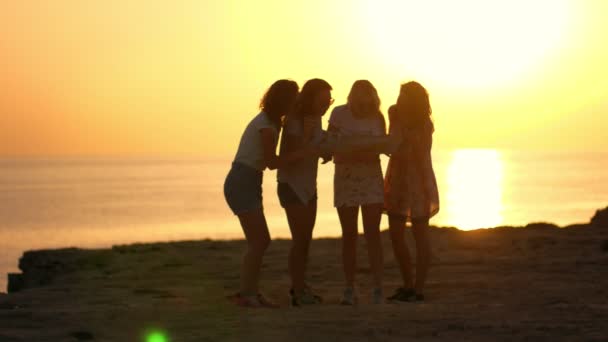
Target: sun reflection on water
<point>475,189</point>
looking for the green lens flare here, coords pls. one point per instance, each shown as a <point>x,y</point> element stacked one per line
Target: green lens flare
<point>156,336</point>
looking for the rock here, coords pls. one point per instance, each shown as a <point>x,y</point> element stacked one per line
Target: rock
<point>538,242</point>
<point>577,226</point>
<point>40,268</point>
<point>600,219</point>
<point>541,226</point>
<point>15,282</point>
<point>51,260</point>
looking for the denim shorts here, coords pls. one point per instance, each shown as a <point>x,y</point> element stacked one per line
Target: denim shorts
<point>243,188</point>
<point>288,197</point>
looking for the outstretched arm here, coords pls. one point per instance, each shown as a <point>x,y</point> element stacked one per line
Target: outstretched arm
<point>273,161</point>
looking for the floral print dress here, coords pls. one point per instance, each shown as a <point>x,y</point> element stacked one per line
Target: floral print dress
<point>357,183</point>
<point>410,186</point>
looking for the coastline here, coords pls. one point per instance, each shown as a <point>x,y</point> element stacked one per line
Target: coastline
<point>505,283</point>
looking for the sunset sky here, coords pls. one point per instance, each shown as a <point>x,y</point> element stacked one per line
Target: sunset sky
<point>183,77</point>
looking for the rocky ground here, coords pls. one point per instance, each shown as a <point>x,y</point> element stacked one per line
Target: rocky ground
<point>536,283</point>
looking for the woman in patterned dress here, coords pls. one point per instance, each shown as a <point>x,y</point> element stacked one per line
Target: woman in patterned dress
<point>410,187</point>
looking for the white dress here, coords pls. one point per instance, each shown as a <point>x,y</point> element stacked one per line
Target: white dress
<point>361,183</point>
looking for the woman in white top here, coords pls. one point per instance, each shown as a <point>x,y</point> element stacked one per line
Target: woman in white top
<point>243,185</point>
<point>297,182</point>
<point>358,182</point>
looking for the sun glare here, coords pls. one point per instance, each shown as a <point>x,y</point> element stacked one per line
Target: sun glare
<point>474,189</point>
<point>474,43</point>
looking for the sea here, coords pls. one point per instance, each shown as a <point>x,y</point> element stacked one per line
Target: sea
<point>92,202</point>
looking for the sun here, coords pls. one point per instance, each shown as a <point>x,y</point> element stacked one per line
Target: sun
<point>474,43</point>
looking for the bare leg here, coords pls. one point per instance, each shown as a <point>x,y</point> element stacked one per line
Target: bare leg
<point>258,238</point>
<point>349,222</point>
<point>420,228</point>
<point>372,215</point>
<point>301,219</point>
<point>312,219</point>
<point>400,250</point>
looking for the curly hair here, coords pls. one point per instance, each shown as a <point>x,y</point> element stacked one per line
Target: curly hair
<point>279,99</point>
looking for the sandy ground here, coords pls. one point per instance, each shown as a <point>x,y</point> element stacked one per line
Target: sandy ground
<point>539,283</point>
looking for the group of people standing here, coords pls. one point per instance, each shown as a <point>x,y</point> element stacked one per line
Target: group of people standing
<point>406,192</point>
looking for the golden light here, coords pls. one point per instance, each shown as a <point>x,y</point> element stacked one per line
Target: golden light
<point>474,189</point>
<point>472,43</point>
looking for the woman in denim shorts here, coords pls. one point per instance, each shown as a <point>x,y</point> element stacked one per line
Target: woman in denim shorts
<point>243,185</point>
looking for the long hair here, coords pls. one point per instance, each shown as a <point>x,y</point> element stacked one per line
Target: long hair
<point>413,107</point>
<point>278,100</point>
<point>306,98</point>
<point>363,101</point>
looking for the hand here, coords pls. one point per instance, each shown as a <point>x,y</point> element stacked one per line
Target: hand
<point>393,143</point>
<point>327,157</point>
<point>393,116</point>
<point>315,150</point>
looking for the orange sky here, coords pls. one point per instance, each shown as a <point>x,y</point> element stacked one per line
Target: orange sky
<point>183,77</point>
